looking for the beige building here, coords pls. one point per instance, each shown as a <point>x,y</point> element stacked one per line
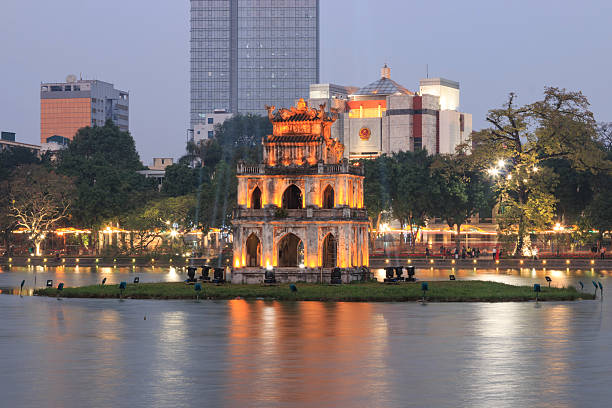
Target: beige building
<point>385,117</point>
<point>300,212</point>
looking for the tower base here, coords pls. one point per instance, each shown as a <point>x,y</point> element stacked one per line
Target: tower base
<point>292,275</point>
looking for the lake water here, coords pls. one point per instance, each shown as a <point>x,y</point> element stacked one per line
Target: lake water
<point>99,353</point>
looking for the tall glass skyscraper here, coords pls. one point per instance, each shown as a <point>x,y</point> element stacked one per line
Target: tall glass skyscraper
<point>246,54</point>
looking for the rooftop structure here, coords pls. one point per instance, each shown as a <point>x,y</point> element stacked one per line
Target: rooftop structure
<point>7,141</point>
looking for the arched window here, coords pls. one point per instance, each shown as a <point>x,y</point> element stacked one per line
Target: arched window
<point>292,198</point>
<point>328,197</point>
<point>253,251</point>
<point>290,251</point>
<point>256,199</point>
<point>329,252</point>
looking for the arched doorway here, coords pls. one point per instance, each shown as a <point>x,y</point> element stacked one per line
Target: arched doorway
<point>328,197</point>
<point>292,198</point>
<point>253,251</point>
<point>329,251</point>
<point>256,199</point>
<point>290,251</point>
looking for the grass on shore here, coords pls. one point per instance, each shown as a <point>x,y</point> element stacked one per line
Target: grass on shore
<point>439,291</point>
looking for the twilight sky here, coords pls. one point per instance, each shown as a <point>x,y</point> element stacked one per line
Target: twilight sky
<point>491,47</point>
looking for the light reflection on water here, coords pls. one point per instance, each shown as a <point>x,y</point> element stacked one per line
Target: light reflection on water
<point>75,352</point>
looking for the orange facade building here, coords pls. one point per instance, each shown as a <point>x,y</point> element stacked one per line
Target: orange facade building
<point>68,106</point>
<point>63,117</point>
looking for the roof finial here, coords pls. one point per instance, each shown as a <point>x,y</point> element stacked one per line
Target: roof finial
<point>385,72</point>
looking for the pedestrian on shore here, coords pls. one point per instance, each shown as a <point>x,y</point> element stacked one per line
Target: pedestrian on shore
<point>426,252</point>
<point>603,252</point>
<point>494,252</point>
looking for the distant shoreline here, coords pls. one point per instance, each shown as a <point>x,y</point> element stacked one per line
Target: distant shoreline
<point>375,262</point>
<point>438,291</point>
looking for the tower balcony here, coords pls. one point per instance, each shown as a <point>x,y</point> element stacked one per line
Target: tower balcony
<point>343,167</point>
<point>274,213</point>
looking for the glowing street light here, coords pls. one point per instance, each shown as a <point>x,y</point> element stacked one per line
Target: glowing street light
<point>493,172</point>
<point>501,163</point>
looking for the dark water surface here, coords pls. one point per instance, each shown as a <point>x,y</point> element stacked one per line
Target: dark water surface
<point>103,353</point>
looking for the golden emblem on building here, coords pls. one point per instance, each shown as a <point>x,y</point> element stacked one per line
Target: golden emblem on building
<point>364,133</point>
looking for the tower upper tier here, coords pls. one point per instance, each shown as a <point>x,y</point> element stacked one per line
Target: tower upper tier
<point>301,136</point>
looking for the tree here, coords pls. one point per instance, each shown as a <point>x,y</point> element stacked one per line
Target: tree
<point>217,198</point>
<point>599,213</point>
<point>157,217</point>
<point>573,190</point>
<point>10,160</point>
<point>237,138</point>
<point>521,138</point>
<point>413,192</point>
<point>39,198</point>
<point>103,162</point>
<point>378,184</point>
<point>463,191</point>
<point>604,135</point>
<point>180,179</point>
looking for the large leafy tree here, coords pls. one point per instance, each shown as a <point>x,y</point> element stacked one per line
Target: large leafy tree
<point>216,198</point>
<point>521,138</point>
<point>180,179</point>
<point>103,162</point>
<point>156,218</point>
<point>413,191</point>
<point>573,190</point>
<point>378,184</point>
<point>10,160</point>
<point>598,214</point>
<point>463,191</point>
<point>38,199</point>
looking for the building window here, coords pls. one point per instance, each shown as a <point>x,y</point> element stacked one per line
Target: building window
<point>292,198</point>
<point>418,143</point>
<point>328,197</point>
<point>210,121</point>
<point>210,134</point>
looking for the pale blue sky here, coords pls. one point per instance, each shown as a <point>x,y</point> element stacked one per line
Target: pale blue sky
<point>491,47</point>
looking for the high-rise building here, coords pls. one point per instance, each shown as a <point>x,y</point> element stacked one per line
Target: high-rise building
<point>246,54</point>
<point>65,107</point>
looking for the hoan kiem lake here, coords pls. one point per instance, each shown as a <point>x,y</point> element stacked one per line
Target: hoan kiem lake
<point>261,353</point>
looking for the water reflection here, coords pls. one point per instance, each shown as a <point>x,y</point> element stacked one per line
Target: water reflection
<point>36,277</point>
<point>98,352</point>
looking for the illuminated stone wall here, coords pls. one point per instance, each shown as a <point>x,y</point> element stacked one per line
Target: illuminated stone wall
<point>304,192</point>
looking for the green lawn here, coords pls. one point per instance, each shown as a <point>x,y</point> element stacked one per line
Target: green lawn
<point>439,291</point>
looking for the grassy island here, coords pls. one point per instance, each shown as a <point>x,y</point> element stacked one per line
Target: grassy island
<point>439,291</point>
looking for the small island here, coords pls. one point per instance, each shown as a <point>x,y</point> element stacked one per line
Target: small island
<point>438,291</point>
